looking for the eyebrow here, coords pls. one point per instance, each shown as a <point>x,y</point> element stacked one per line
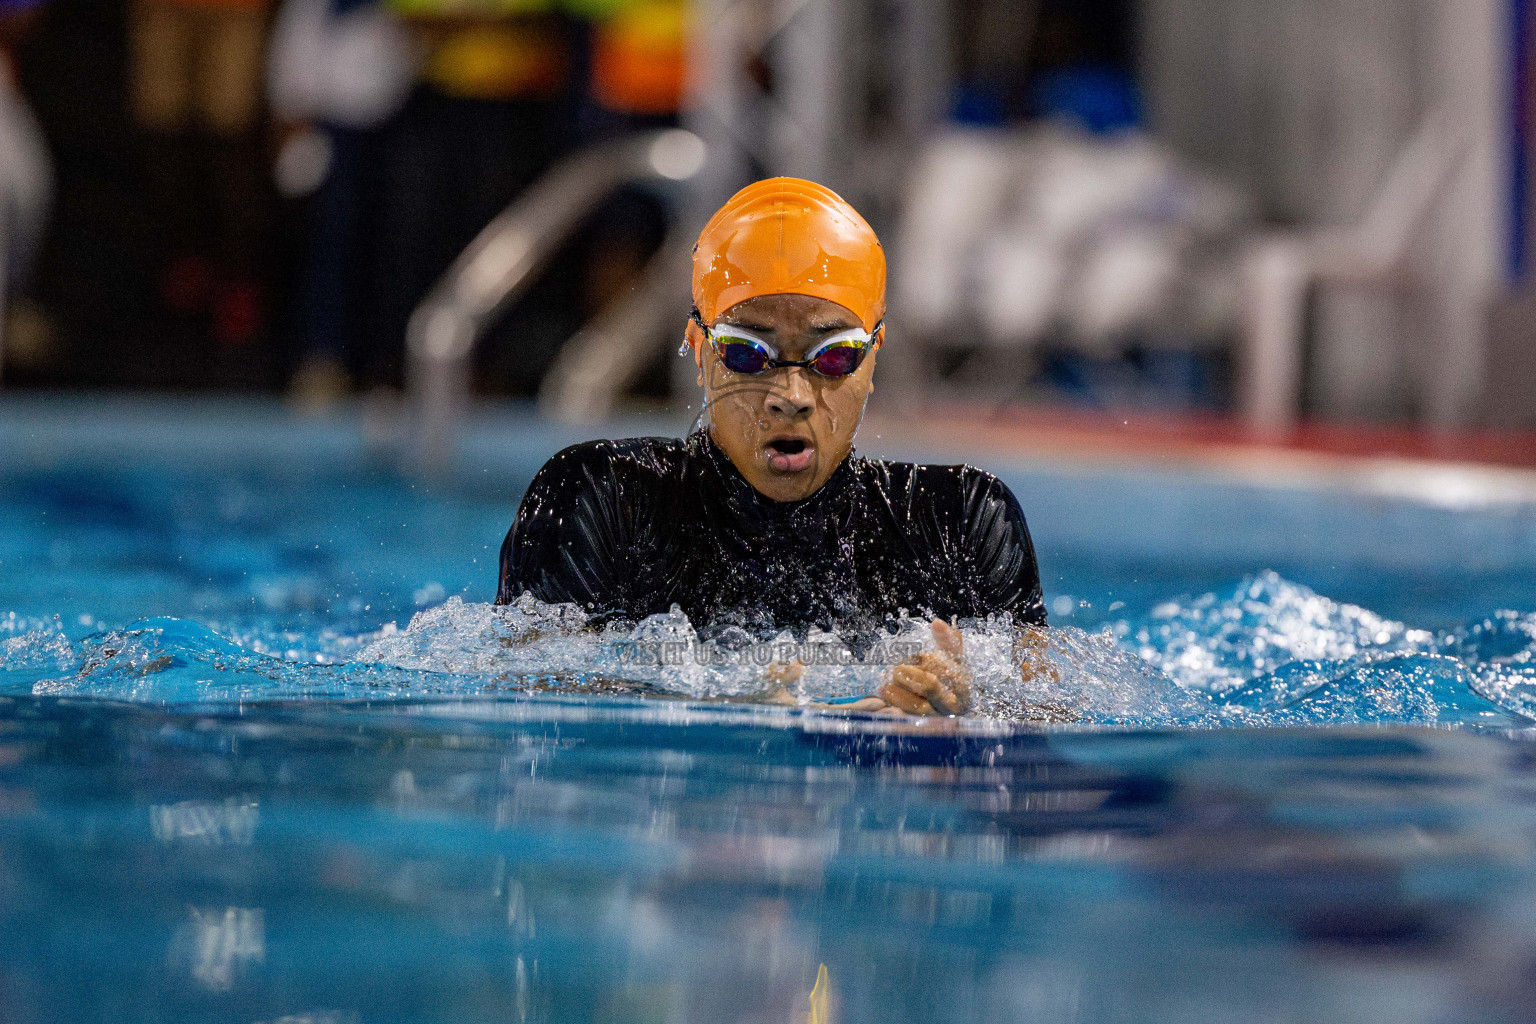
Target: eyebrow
<point>748,325</point>
<point>823,327</point>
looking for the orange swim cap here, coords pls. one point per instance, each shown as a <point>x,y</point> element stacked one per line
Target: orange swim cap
<point>787,236</point>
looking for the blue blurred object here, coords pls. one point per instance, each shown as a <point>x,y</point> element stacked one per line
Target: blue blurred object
<point>1103,100</point>
<point>978,105</point>
<point>1169,380</point>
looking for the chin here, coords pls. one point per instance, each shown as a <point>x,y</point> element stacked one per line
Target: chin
<point>785,486</point>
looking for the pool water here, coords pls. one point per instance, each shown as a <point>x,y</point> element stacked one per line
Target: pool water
<point>267,753</point>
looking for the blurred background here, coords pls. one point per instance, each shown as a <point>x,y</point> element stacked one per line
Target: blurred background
<point>1259,213</point>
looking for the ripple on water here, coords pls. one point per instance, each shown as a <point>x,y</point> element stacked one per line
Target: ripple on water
<point>1270,652</point>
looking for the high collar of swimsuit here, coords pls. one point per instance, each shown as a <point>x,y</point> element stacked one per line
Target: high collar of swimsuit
<point>740,501</point>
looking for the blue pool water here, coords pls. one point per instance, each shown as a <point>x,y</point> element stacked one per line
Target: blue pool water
<point>266,753</point>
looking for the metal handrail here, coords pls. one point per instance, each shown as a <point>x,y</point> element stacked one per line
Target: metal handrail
<point>503,260</point>
<point>593,368</point>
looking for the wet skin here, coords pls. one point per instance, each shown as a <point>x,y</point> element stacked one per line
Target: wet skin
<point>786,431</point>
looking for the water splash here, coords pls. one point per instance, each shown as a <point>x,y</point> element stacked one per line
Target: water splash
<point>33,649</point>
<point>1276,653</point>
<point>1270,652</point>
<point>1218,643</point>
<point>1500,652</point>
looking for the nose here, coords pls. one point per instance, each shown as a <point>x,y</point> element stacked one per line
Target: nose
<point>791,396</point>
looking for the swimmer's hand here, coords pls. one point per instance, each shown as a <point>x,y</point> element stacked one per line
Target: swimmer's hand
<point>780,677</point>
<point>1030,647</point>
<point>934,682</point>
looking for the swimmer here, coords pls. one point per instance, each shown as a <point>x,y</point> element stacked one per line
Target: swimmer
<point>765,518</point>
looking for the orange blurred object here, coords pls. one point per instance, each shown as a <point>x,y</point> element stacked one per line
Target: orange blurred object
<point>197,63</point>
<point>787,236</point>
<point>639,59</point>
<point>518,60</point>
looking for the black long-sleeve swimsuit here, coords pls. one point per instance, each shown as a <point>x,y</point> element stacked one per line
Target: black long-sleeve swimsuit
<point>627,529</point>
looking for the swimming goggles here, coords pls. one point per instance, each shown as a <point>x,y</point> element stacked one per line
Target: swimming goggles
<point>741,351</point>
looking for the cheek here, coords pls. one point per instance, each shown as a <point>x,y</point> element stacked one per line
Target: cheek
<point>846,397</point>
<point>733,419</point>
<point>840,408</point>
<point>733,405</point>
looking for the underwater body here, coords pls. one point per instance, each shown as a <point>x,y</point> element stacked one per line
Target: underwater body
<point>267,752</point>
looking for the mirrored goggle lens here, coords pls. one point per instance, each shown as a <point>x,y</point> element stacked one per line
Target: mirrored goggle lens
<point>742,357</point>
<point>838,360</point>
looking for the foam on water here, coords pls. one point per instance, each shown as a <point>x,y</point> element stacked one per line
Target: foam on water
<point>1269,653</point>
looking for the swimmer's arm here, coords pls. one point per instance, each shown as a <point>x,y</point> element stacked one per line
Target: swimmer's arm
<point>866,705</point>
<point>781,676</point>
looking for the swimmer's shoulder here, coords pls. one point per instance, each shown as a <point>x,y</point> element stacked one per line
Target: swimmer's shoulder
<point>967,512</point>
<point>915,488</point>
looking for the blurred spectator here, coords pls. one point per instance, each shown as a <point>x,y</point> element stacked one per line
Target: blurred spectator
<point>409,124</point>
<point>1100,99</point>
<point>1084,260</point>
<point>338,70</point>
<point>198,59</point>
<point>638,67</point>
<point>196,71</point>
<point>1013,58</point>
<point>489,112</point>
<point>26,176</point>
<point>504,89</point>
<point>25,171</point>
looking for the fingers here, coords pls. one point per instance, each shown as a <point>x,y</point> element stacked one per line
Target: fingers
<point>927,685</point>
<point>949,663</point>
<point>785,675</point>
<point>918,680</point>
<point>948,639</point>
<point>933,683</point>
<point>951,674</point>
<point>941,665</point>
<point>780,677</point>
<point>1031,647</point>
<point>902,699</point>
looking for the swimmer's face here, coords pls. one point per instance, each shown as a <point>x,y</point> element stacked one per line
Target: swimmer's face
<point>786,430</point>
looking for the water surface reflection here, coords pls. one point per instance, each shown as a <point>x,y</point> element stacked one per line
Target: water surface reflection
<point>560,859</point>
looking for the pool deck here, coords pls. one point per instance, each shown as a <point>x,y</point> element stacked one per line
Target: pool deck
<point>1444,468</point>
<point>1201,437</point>
<point>1441,467</point>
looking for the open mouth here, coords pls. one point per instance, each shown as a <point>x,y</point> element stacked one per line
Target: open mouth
<point>789,454</point>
